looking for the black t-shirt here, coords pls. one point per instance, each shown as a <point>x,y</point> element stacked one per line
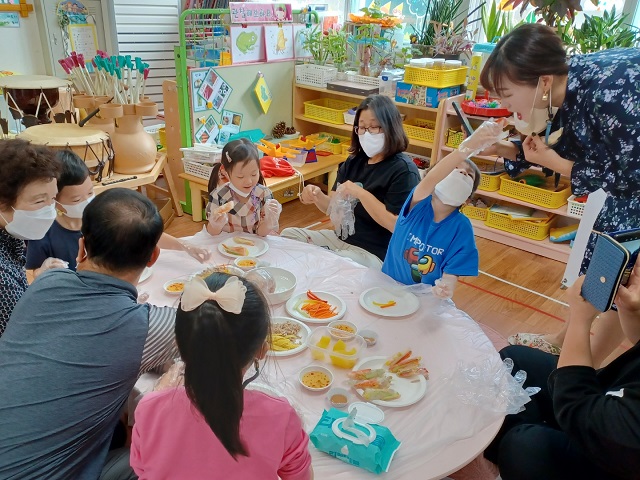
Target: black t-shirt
<point>57,243</point>
<point>391,182</point>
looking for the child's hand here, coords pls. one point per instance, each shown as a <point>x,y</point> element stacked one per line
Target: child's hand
<point>628,298</point>
<point>217,220</point>
<point>443,288</point>
<point>310,194</point>
<point>536,151</point>
<point>50,263</point>
<point>485,135</point>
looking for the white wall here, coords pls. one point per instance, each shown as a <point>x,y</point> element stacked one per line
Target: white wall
<point>21,49</point>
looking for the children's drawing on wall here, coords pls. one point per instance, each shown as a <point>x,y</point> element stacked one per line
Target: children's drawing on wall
<point>215,91</point>
<point>73,11</point>
<point>278,42</point>
<point>300,33</point>
<point>9,19</point>
<point>247,44</point>
<point>197,79</point>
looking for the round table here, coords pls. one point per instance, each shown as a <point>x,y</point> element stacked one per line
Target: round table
<point>440,333</point>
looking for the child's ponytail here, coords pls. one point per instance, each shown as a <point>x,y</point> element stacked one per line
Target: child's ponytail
<point>216,346</point>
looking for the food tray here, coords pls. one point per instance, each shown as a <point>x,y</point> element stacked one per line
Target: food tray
<point>544,197</point>
<point>524,228</point>
<point>428,77</point>
<point>315,75</point>
<point>196,169</point>
<point>470,109</point>
<point>454,138</point>
<point>327,110</point>
<point>488,183</point>
<point>574,209</point>
<point>328,355</point>
<point>420,129</point>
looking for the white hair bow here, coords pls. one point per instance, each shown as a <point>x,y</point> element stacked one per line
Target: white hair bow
<point>230,297</point>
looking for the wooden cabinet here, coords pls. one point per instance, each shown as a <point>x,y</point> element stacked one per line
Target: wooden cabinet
<point>545,248</point>
<point>306,125</point>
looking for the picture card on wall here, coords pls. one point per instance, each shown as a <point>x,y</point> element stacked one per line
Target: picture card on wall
<point>300,33</point>
<point>263,93</point>
<point>247,44</point>
<point>278,42</point>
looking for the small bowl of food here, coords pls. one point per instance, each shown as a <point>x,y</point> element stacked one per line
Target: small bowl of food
<point>247,263</point>
<point>369,336</point>
<point>174,287</point>
<point>285,284</point>
<point>342,329</point>
<point>315,378</point>
<point>338,397</point>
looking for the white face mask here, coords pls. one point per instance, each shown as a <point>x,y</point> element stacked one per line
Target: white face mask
<point>454,189</point>
<point>242,193</point>
<point>372,144</point>
<point>75,211</point>
<point>538,118</point>
<point>31,224</point>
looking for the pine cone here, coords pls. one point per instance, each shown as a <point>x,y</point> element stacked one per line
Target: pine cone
<point>279,130</point>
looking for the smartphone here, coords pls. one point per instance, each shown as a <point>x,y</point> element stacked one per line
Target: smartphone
<point>466,126</point>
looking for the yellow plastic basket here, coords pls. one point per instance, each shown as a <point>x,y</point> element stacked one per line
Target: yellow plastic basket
<point>428,77</point>
<point>454,138</point>
<point>524,228</point>
<point>475,213</point>
<point>488,183</point>
<point>327,110</point>
<point>548,196</point>
<point>330,145</point>
<point>345,148</point>
<point>420,129</point>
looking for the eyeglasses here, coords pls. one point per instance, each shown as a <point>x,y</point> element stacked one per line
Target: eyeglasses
<point>371,130</point>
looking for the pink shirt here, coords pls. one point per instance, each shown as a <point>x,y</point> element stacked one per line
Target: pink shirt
<point>171,440</point>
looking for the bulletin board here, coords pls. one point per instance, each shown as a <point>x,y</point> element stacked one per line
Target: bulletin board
<point>242,79</point>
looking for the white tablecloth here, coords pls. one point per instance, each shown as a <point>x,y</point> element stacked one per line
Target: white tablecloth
<point>439,333</point>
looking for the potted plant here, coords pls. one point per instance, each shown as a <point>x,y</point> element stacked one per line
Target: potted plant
<point>553,12</point>
<point>495,22</point>
<point>450,44</point>
<point>325,46</point>
<point>443,12</point>
<point>601,33</point>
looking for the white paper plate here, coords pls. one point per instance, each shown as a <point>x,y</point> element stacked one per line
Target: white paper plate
<point>256,250</point>
<point>411,390</point>
<point>304,334</point>
<point>146,273</point>
<point>329,297</point>
<point>406,302</point>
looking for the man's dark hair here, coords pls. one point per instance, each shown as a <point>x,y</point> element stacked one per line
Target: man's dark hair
<point>121,228</point>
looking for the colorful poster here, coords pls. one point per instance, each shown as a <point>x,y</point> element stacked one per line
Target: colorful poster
<point>199,103</point>
<point>300,33</point>
<point>247,44</point>
<point>278,40</point>
<point>260,12</point>
<point>263,93</point>
<point>72,12</point>
<point>215,91</point>
<point>208,132</point>
<point>10,19</point>
<point>231,121</point>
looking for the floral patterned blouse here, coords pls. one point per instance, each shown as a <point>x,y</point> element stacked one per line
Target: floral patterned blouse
<point>600,118</point>
<point>13,277</point>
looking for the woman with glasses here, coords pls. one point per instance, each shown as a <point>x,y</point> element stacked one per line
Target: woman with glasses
<point>376,174</point>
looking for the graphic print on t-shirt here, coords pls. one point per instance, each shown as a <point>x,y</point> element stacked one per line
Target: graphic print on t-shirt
<point>422,259</point>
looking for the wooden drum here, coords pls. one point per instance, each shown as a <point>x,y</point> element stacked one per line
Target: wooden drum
<point>92,145</point>
<point>31,97</point>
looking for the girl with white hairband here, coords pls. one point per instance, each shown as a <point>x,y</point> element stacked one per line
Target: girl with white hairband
<point>243,203</point>
<point>211,427</point>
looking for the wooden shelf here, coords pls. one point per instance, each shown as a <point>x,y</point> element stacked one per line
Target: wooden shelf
<point>349,128</point>
<point>544,248</point>
<point>351,95</point>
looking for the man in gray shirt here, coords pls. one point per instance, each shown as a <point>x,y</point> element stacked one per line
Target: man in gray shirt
<point>75,345</point>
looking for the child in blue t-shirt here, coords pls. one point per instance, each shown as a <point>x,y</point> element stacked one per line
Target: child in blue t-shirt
<point>432,240</point>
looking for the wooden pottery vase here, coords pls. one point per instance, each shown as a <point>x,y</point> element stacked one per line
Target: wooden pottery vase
<point>89,103</point>
<point>135,149</point>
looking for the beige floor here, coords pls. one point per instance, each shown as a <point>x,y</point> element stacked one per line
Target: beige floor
<point>504,307</point>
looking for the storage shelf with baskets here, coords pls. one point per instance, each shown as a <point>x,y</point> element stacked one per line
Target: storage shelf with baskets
<point>316,108</point>
<point>528,236</point>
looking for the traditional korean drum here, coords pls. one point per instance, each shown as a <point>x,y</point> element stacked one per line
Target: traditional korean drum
<point>30,98</point>
<point>90,144</point>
